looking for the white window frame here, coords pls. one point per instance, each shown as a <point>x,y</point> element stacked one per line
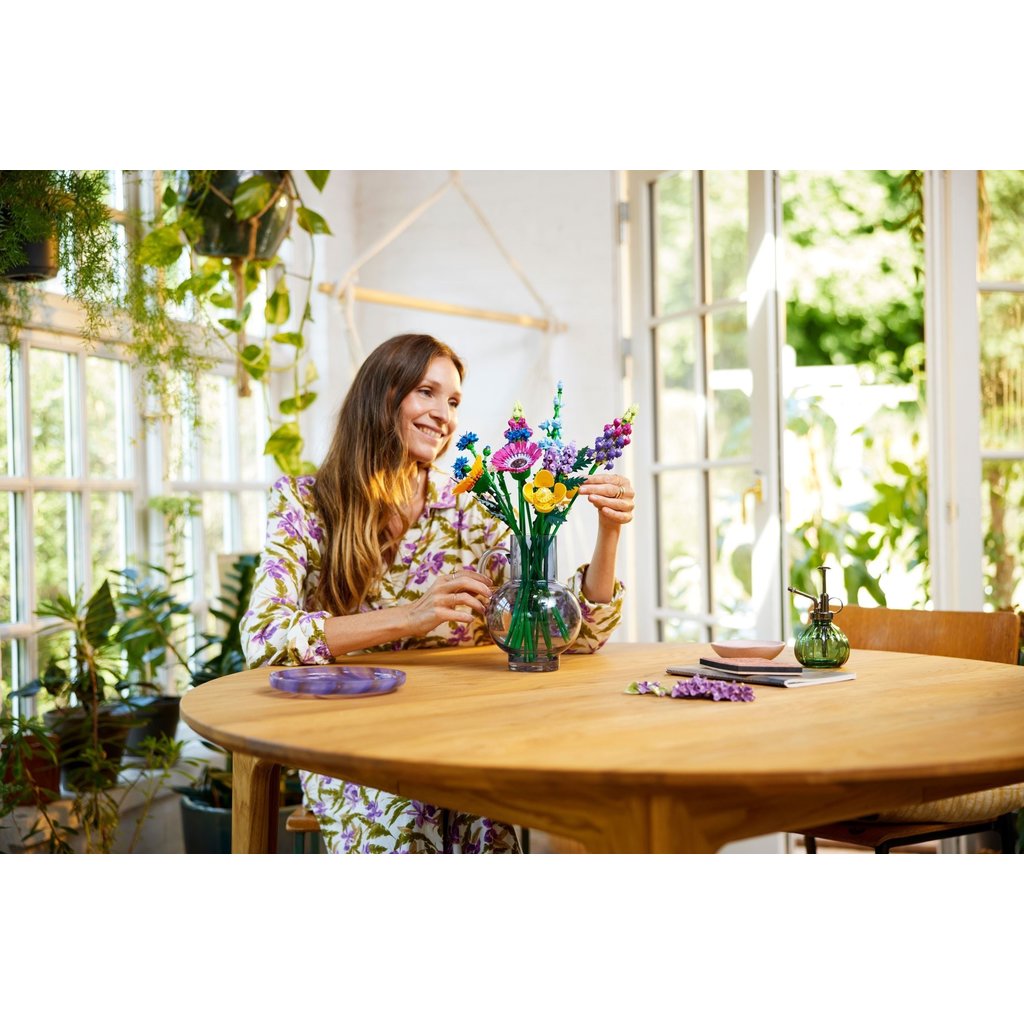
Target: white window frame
<point>56,324</point>
<point>953,355</point>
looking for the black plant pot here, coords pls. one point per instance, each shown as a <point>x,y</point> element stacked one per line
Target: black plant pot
<point>153,717</point>
<point>73,727</point>
<point>40,262</point>
<point>223,235</point>
<point>207,829</point>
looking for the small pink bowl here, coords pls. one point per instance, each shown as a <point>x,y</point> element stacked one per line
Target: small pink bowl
<point>748,648</point>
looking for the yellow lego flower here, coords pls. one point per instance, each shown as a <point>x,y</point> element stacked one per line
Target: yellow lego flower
<point>468,482</point>
<point>543,493</point>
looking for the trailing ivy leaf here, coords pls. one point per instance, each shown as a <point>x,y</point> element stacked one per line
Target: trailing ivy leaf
<point>222,300</point>
<point>312,222</point>
<point>278,307</point>
<point>252,276</point>
<point>170,199</point>
<point>289,463</point>
<point>231,324</point>
<point>256,360</point>
<point>251,196</point>
<point>290,406</point>
<point>283,441</point>
<point>319,179</point>
<point>306,469</point>
<point>311,373</point>
<point>290,338</point>
<point>161,247</point>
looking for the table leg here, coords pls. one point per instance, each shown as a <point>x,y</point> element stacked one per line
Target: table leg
<point>254,803</point>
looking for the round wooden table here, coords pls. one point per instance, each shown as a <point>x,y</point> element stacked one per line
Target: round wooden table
<point>569,752</point>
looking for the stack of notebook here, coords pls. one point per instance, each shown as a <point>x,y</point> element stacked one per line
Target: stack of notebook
<point>765,671</point>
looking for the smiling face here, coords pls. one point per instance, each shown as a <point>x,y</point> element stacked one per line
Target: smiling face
<point>428,415</point>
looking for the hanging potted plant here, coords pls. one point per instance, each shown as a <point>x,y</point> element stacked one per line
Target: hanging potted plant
<point>231,225</point>
<point>50,221</point>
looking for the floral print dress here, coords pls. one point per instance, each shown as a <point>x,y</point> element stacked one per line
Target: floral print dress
<point>279,628</point>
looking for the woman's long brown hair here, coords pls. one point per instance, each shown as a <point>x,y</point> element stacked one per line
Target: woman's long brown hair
<point>365,481</point>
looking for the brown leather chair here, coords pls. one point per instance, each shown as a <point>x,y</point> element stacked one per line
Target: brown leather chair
<point>982,636</point>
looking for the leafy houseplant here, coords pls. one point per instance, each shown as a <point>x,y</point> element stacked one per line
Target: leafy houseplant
<point>92,722</point>
<point>29,772</point>
<point>51,220</point>
<point>206,805</point>
<point>231,224</point>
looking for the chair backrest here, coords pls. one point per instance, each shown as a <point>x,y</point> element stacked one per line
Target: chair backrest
<point>983,636</point>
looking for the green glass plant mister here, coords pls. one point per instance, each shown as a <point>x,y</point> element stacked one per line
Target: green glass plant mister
<point>822,644</point>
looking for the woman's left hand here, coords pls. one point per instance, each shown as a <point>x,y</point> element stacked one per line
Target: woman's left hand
<point>612,495</point>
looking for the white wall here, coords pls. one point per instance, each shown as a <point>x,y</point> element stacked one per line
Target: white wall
<point>559,226</point>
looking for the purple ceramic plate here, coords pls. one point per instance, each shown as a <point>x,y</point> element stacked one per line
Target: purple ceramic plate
<point>337,680</point>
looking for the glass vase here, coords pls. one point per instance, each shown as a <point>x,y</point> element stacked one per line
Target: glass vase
<point>532,617</point>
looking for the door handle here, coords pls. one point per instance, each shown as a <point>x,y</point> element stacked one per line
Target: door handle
<point>757,490</point>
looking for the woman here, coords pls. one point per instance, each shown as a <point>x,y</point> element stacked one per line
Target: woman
<point>376,553</point>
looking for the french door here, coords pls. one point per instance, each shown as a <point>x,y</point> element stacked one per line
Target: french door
<point>706,342</point>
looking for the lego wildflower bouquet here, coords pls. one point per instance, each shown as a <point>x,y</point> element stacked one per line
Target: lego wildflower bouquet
<point>531,485</point>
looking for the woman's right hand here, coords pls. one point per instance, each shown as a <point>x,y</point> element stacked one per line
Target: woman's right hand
<point>459,596</point>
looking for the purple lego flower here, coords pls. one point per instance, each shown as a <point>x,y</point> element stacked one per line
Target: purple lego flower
<point>697,686</point>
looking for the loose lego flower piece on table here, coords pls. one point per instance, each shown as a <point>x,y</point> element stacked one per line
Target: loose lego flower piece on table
<point>696,686</point>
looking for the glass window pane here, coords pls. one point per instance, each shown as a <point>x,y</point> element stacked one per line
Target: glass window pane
<point>252,436</point>
<point>1003,523</point>
<point>7,657</point>
<point>51,545</point>
<point>7,406</point>
<point>672,202</point>
<point>725,207</point>
<point>682,577</point>
<point>108,534</point>
<point>213,409</point>
<point>676,631</point>
<point>104,404</point>
<point>48,388</point>
<point>1000,226</point>
<point>254,521</point>
<point>1001,335</point>
<point>56,645</point>
<point>733,541</point>
<point>7,560</point>
<point>729,384</point>
<point>679,407</point>
<point>214,540</point>
<point>177,455</point>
